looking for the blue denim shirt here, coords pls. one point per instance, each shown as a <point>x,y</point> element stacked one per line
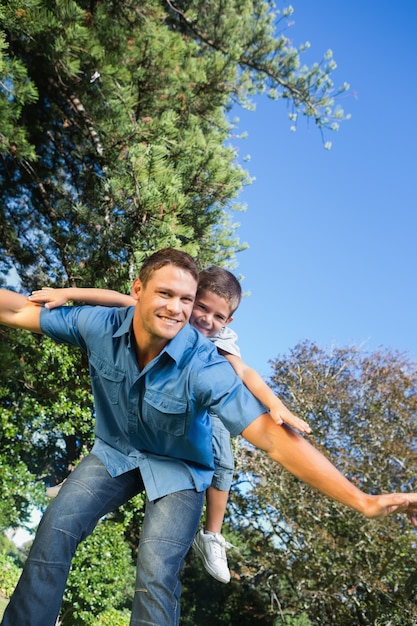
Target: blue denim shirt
<point>155,419</point>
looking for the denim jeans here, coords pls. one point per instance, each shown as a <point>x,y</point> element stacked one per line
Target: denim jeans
<point>170,524</point>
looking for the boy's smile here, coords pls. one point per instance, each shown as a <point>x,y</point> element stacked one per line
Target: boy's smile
<point>210,313</point>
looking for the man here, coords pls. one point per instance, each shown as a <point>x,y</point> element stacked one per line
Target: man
<point>153,379</point>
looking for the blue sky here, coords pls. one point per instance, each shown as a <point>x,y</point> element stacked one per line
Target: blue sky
<point>333,234</point>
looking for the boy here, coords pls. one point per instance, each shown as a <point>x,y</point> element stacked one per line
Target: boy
<point>218,296</point>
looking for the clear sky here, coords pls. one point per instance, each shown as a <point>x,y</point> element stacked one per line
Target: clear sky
<point>333,234</point>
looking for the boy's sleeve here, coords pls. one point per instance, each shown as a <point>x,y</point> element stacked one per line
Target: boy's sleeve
<point>226,340</point>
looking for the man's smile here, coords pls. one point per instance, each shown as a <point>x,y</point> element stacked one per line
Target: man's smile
<point>169,320</point>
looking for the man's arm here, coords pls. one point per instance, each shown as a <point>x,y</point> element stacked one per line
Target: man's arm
<point>253,381</point>
<point>16,311</point>
<point>57,297</point>
<point>299,457</point>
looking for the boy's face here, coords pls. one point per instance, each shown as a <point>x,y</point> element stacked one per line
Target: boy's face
<point>210,313</point>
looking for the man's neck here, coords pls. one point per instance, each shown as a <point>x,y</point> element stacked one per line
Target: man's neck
<point>146,351</point>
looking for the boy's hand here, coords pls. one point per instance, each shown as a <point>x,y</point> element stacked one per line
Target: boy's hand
<point>50,297</point>
<point>281,414</point>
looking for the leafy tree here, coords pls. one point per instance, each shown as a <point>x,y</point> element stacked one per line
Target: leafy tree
<point>9,575</point>
<point>113,617</point>
<point>102,576</point>
<point>313,554</point>
<point>45,416</point>
<point>206,602</point>
<point>115,135</point>
<point>115,141</point>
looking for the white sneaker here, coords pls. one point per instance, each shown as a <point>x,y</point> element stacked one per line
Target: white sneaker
<point>211,548</point>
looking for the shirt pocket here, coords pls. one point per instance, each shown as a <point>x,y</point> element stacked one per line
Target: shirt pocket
<point>165,413</point>
<point>106,379</point>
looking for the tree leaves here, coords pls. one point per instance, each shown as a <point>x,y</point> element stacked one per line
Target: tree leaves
<point>317,554</point>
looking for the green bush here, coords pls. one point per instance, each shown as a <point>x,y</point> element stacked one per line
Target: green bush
<point>113,617</point>
<point>102,578</point>
<point>9,575</point>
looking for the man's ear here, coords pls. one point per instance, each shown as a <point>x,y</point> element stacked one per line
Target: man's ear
<point>137,288</point>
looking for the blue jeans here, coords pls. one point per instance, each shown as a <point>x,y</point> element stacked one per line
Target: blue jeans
<point>169,527</point>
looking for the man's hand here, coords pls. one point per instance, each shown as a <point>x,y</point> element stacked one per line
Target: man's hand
<point>294,452</point>
<point>390,503</point>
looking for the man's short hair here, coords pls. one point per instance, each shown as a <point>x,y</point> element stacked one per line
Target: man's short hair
<point>223,283</point>
<point>168,256</point>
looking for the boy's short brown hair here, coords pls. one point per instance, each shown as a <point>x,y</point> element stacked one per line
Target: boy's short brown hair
<point>168,256</point>
<point>221,282</point>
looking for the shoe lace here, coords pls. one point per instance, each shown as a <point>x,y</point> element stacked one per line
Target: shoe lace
<point>220,545</point>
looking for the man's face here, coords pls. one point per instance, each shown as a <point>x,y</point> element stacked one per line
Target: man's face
<point>165,303</point>
<point>210,313</point>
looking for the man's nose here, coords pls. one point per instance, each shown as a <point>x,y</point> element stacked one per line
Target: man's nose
<point>174,305</point>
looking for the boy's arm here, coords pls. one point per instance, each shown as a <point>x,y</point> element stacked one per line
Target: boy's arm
<point>278,411</point>
<point>57,297</point>
<point>16,311</point>
<point>299,457</point>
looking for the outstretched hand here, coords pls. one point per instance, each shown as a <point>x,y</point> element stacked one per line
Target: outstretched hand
<point>52,298</point>
<point>390,503</point>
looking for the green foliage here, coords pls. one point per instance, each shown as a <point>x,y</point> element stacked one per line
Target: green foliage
<point>113,617</point>
<point>45,420</point>
<point>9,575</point>
<point>101,578</point>
<point>115,136</point>
<point>316,555</point>
<point>115,141</point>
<point>207,602</point>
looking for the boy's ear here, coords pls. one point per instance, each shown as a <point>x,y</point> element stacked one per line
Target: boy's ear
<point>229,319</point>
<point>136,288</point>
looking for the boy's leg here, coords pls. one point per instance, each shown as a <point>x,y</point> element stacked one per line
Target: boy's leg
<point>216,503</point>
<point>88,494</point>
<point>168,530</point>
<point>217,494</point>
<point>209,543</point>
